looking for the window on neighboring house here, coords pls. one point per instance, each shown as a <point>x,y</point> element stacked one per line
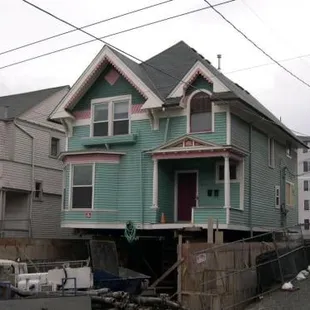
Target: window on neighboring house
<point>306,186</point>
<point>289,194</point>
<point>82,187</point>
<point>55,142</point>
<point>306,165</point>
<point>277,196</point>
<point>200,113</point>
<point>289,150</point>
<point>38,190</point>
<point>306,205</point>
<point>233,171</point>
<point>271,158</point>
<point>111,118</point>
<point>306,223</point>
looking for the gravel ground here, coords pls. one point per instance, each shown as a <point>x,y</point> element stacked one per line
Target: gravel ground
<point>283,300</point>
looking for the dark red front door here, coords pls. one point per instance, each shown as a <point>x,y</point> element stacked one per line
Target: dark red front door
<point>187,191</point>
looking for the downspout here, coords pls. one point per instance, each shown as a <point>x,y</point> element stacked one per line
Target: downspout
<point>166,130</point>
<point>250,179</point>
<point>32,173</point>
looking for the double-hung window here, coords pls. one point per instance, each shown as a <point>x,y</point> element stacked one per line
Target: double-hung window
<point>306,166</point>
<point>82,186</point>
<point>306,186</point>
<point>289,194</point>
<point>111,117</point>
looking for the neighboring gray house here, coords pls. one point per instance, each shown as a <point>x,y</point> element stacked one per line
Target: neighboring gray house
<point>304,183</point>
<point>30,173</point>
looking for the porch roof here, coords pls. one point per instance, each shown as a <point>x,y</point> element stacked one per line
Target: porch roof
<point>191,147</point>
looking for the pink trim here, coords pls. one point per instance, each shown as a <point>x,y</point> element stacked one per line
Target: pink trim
<point>112,76</point>
<point>188,154</point>
<point>91,158</point>
<point>136,108</point>
<point>194,76</point>
<point>85,114</point>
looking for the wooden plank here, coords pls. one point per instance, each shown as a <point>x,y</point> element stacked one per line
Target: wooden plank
<point>179,280</point>
<point>210,230</point>
<point>165,274</point>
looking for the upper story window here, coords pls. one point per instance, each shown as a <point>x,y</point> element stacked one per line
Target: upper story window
<point>305,150</point>
<point>289,194</point>
<point>289,150</point>
<point>306,186</point>
<point>200,112</point>
<point>111,117</point>
<point>306,166</point>
<point>271,159</point>
<point>55,147</point>
<point>38,190</point>
<point>82,187</point>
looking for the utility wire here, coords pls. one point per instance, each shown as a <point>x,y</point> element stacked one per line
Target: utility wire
<point>85,26</point>
<point>253,43</point>
<point>114,34</point>
<point>180,80</point>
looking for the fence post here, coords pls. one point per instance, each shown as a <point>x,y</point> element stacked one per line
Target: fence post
<point>179,279</point>
<point>278,257</point>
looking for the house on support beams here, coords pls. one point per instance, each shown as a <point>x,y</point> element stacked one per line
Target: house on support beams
<point>172,138</point>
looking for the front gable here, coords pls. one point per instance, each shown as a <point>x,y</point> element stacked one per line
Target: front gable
<point>110,83</point>
<point>105,57</point>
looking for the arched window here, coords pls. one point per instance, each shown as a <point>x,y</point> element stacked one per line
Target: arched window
<point>200,113</point>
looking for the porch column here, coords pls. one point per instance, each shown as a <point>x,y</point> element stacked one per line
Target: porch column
<point>155,183</point>
<point>227,187</point>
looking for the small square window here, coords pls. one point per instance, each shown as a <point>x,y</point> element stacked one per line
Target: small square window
<point>55,146</point>
<point>232,172</point>
<point>38,190</point>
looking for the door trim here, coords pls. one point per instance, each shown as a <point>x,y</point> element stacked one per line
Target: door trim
<point>176,174</point>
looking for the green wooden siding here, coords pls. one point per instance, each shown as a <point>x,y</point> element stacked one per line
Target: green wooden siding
<point>199,83</point>
<point>201,215</point>
<point>102,89</point>
<point>264,179</point>
<point>96,217</point>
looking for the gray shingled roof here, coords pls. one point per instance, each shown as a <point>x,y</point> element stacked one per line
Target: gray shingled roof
<point>19,103</point>
<point>175,62</point>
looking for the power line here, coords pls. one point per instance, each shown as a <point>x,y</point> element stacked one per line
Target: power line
<point>114,34</point>
<point>271,29</point>
<point>180,80</point>
<point>85,26</point>
<point>253,43</point>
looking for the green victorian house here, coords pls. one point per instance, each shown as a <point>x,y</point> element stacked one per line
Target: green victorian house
<point>168,144</point>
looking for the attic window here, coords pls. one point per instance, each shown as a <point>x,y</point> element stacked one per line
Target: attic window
<point>200,113</point>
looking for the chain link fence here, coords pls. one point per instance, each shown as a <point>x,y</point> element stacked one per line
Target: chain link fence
<point>233,275</point>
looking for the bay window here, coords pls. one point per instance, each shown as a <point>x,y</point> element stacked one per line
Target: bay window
<point>110,117</point>
<point>82,186</point>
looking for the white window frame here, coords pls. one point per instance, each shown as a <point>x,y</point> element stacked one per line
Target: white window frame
<point>292,185</point>
<point>288,149</point>
<point>308,165</point>
<point>277,196</point>
<point>189,111</point>
<point>58,147</point>
<point>217,172</point>
<point>271,153</point>
<point>110,102</point>
<point>71,177</point>
<point>40,198</point>
<point>64,189</point>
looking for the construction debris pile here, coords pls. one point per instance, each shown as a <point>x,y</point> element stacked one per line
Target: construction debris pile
<point>106,299</point>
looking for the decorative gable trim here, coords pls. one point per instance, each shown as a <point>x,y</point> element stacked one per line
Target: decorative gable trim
<point>91,73</point>
<point>198,68</point>
<point>187,142</point>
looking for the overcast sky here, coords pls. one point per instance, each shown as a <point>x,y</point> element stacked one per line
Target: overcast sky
<point>278,26</point>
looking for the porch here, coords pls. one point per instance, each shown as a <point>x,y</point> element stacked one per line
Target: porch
<point>193,184</point>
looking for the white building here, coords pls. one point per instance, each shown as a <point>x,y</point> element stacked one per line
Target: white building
<point>304,183</point>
